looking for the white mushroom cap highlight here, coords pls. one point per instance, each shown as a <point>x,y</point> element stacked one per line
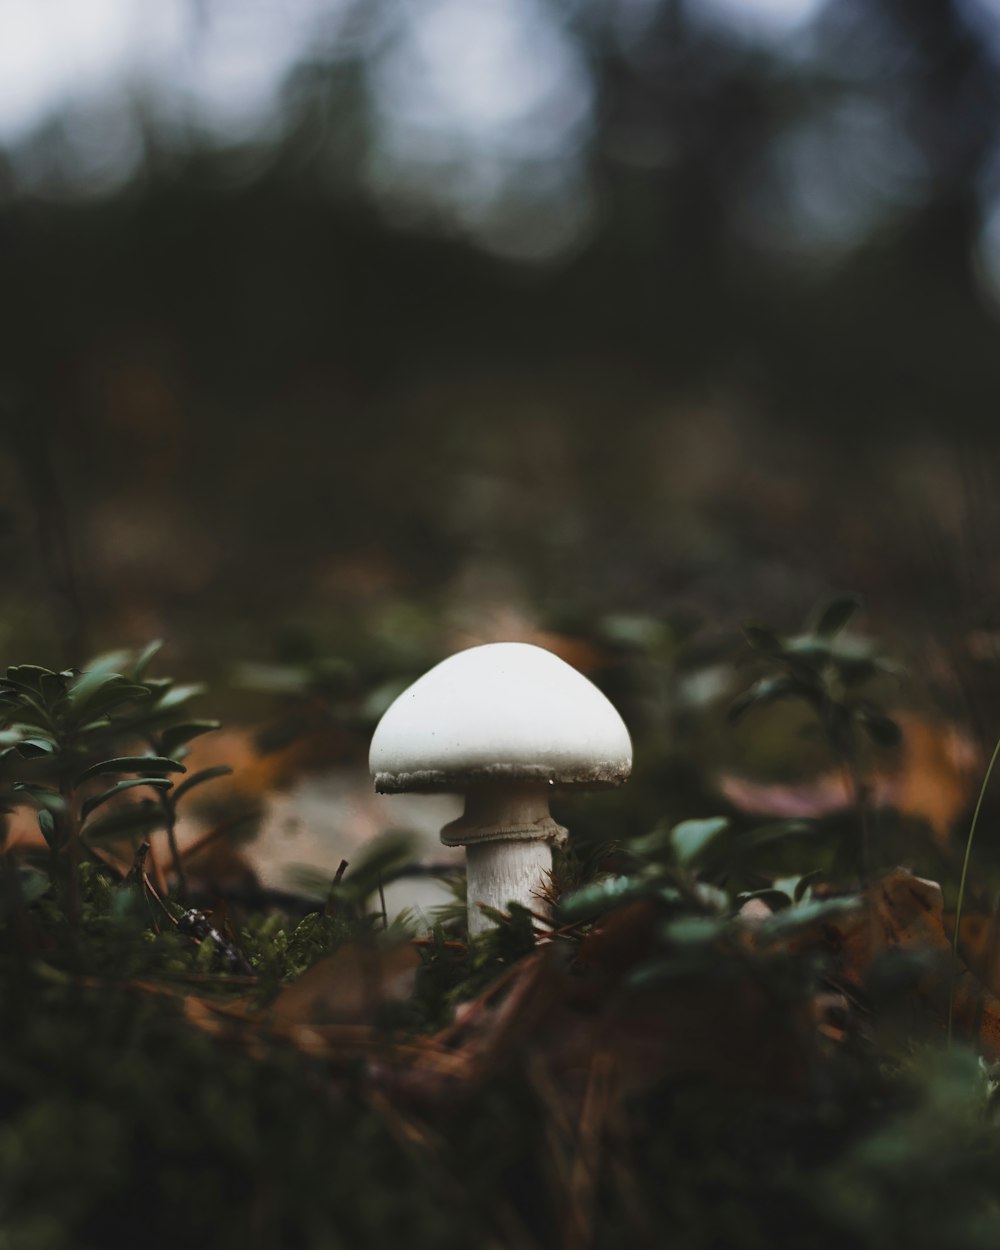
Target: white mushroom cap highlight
<point>507,711</point>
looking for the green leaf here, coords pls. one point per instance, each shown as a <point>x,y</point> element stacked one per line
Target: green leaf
<point>96,693</point>
<point>881,729</point>
<point>856,671</point>
<point>115,696</point>
<point>90,805</point>
<point>693,930</point>
<point>836,614</point>
<point>28,676</point>
<point>177,696</point>
<point>602,896</point>
<point>691,837</point>
<point>746,844</point>
<point>53,687</point>
<point>29,706</point>
<point>33,883</point>
<point>689,961</point>
<point>763,639</point>
<point>41,795</point>
<point>769,690</point>
<point>131,764</point>
<point>47,826</point>
<point>144,817</point>
<point>653,845</point>
<point>711,897</point>
<point>802,915</point>
<point>146,655</point>
<point>806,654</point>
<point>30,884</point>
<point>163,707</point>
<point>180,735</point>
<point>802,888</point>
<point>33,748</point>
<point>197,779</point>
<point>89,683</point>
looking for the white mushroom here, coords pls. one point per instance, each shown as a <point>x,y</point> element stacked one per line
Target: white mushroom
<point>505,725</point>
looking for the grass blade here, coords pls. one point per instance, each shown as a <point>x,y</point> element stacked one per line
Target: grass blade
<point>961,891</point>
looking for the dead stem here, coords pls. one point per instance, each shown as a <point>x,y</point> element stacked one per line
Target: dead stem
<point>584,1176</point>
<point>206,840</point>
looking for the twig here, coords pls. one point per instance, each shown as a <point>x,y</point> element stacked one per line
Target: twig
<point>72,848</point>
<point>138,870</point>
<point>476,1006</point>
<point>226,826</point>
<point>583,1178</point>
<point>170,818</point>
<point>331,899</point>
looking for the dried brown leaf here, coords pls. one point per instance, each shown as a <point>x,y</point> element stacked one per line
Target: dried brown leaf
<point>350,985</point>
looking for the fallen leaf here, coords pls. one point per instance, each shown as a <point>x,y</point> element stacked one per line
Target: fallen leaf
<point>350,985</point>
<point>931,778</point>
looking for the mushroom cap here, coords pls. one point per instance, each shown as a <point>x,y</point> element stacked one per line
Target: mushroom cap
<point>507,711</point>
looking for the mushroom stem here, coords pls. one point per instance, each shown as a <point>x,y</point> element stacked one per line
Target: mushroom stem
<point>507,831</point>
<point>505,811</point>
<point>500,873</point>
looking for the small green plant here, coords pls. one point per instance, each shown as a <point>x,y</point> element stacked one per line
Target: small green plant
<point>691,877</point>
<point>72,741</point>
<point>832,672</point>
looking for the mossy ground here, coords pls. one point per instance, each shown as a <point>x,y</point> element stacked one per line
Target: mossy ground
<point>125,1122</point>
<point>656,1069</point>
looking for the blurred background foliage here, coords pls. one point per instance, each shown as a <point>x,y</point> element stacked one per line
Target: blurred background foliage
<point>326,322</point>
